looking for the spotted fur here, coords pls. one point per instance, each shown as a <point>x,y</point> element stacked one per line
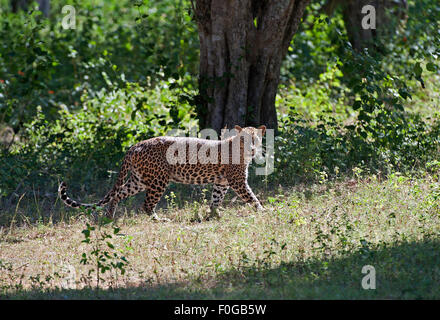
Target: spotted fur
<point>147,168</point>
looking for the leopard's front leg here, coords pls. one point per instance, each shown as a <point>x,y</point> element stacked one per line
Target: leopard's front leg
<point>238,183</point>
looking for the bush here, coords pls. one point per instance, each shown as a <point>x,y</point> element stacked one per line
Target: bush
<point>316,142</point>
<point>86,147</point>
<point>114,41</point>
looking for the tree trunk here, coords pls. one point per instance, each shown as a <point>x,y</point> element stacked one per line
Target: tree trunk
<point>242,45</point>
<point>44,6</point>
<point>388,15</point>
<point>18,4</point>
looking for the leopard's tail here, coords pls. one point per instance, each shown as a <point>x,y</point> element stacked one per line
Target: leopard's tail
<point>70,202</point>
<point>108,197</point>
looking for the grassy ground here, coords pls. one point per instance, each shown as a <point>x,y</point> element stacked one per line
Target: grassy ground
<point>311,242</point>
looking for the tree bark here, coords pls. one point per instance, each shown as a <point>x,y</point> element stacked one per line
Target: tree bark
<point>388,14</point>
<point>242,45</point>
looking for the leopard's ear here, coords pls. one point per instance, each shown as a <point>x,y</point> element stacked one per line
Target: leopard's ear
<point>222,132</point>
<point>238,128</point>
<point>263,129</point>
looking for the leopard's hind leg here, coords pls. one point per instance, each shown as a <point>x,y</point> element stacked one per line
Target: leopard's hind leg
<point>155,186</point>
<point>133,186</point>
<point>122,176</point>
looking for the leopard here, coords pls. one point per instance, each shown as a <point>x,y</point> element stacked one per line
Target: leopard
<point>150,165</point>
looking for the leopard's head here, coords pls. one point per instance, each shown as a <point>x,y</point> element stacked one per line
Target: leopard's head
<point>251,140</point>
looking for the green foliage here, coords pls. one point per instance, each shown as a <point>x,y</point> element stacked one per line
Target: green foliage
<point>342,109</point>
<point>114,41</point>
<point>329,139</point>
<point>315,43</point>
<point>87,146</point>
<point>77,99</point>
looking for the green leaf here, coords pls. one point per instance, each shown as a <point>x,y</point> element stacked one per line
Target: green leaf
<point>399,106</point>
<point>105,220</point>
<point>363,116</point>
<point>404,93</point>
<point>431,67</point>
<point>357,104</point>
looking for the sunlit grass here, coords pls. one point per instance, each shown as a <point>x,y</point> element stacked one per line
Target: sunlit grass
<point>310,242</point>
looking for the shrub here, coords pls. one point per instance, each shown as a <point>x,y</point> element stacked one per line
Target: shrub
<point>87,146</point>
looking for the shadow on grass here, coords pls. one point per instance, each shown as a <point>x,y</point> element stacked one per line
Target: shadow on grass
<point>406,270</point>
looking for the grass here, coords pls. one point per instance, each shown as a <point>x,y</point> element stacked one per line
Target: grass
<point>310,243</point>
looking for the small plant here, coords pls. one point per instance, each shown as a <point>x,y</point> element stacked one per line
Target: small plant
<point>198,209</point>
<point>103,256</point>
<point>10,278</point>
<point>171,200</point>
